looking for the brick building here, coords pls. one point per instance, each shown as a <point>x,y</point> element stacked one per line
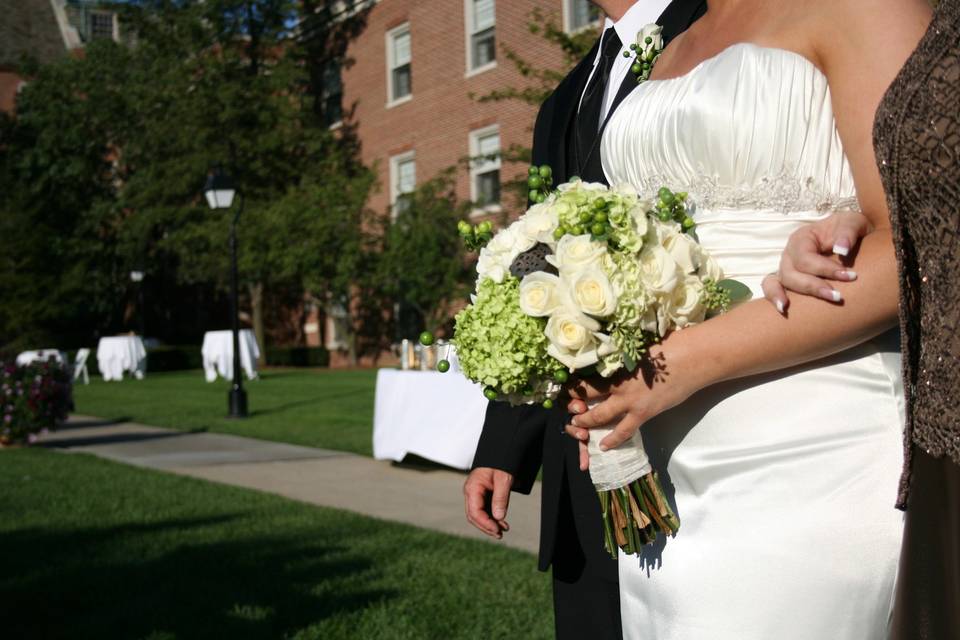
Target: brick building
<point>45,30</point>
<point>415,72</point>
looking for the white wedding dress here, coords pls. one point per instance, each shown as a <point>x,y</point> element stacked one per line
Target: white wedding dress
<point>784,483</point>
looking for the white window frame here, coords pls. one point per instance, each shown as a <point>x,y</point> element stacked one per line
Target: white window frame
<point>469,30</point>
<point>476,169</point>
<point>568,19</point>
<point>390,36</point>
<point>395,162</point>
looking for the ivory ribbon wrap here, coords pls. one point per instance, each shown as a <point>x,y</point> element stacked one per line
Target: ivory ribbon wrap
<point>617,467</point>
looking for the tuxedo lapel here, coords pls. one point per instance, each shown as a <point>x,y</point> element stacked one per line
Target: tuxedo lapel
<point>566,101</point>
<point>675,19</point>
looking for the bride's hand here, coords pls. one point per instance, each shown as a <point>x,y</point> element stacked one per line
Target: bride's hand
<point>629,401</point>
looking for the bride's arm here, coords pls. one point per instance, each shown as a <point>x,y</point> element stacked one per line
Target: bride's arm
<point>877,37</point>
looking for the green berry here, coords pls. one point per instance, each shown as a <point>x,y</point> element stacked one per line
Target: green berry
<point>599,205</point>
<point>443,366</point>
<point>664,192</point>
<point>485,227</point>
<point>664,216</point>
<point>635,69</point>
<point>633,46</point>
<point>648,40</point>
<point>490,394</point>
<point>464,228</point>
<point>545,171</point>
<point>540,198</point>
<point>548,404</point>
<point>600,216</point>
<point>535,181</point>
<point>533,171</point>
<point>561,375</point>
<point>577,230</point>
<point>585,216</point>
<point>532,195</point>
<point>598,229</point>
<point>626,54</point>
<point>559,233</point>
<point>426,338</point>
<point>688,223</point>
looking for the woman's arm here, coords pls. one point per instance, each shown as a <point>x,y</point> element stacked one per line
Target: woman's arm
<point>860,45</point>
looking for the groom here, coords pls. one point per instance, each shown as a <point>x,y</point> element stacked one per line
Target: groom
<point>516,441</point>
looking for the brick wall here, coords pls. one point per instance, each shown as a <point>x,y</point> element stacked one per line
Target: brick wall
<point>437,120</point>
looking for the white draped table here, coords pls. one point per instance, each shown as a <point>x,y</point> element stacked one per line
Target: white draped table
<point>217,354</point>
<point>437,416</point>
<point>40,355</point>
<point>119,354</point>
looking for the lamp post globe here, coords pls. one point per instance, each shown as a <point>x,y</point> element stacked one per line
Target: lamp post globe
<point>220,192</point>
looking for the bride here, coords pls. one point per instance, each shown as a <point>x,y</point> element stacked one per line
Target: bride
<point>776,436</point>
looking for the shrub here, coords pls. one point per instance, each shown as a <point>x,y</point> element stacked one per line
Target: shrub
<point>34,398</point>
<point>298,357</point>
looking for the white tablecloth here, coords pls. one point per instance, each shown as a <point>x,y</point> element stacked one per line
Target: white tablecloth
<point>437,416</point>
<point>40,355</point>
<point>119,354</point>
<point>217,354</point>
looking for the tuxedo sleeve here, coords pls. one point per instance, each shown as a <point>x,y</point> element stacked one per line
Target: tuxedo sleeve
<point>512,441</point>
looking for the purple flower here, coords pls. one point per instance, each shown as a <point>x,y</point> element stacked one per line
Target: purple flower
<point>8,418</point>
<point>32,438</point>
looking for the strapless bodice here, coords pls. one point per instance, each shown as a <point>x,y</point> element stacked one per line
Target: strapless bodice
<point>750,134</point>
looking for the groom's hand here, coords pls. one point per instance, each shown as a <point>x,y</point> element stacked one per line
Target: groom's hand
<point>486,496</point>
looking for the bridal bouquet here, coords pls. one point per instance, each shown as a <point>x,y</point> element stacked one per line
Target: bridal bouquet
<point>583,283</point>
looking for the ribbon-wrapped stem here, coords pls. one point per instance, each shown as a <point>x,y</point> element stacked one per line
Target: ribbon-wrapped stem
<point>632,503</point>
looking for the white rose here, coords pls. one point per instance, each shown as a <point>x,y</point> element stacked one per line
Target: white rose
<point>658,269</point>
<point>573,343</point>
<point>685,307</point>
<point>653,31</point>
<point>649,321</point>
<point>539,223</point>
<point>577,252</point>
<point>538,294</point>
<point>592,292</point>
<point>659,231</point>
<point>709,268</point>
<point>492,265</point>
<point>684,250</point>
<point>641,222</point>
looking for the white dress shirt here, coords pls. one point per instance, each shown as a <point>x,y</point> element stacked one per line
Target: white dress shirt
<point>642,13</point>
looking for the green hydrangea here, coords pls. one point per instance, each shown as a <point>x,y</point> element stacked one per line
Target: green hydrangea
<point>498,345</point>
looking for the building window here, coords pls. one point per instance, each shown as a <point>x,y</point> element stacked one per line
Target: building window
<point>331,93</point>
<point>100,25</point>
<point>580,14</point>
<point>399,78</point>
<point>485,167</point>
<point>481,34</point>
<point>403,180</point>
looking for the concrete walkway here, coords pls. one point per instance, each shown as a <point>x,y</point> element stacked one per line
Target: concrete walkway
<point>430,498</point>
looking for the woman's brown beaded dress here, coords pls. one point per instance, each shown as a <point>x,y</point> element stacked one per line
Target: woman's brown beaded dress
<point>917,139</point>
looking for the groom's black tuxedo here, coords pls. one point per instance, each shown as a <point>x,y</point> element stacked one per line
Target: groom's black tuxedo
<point>520,439</point>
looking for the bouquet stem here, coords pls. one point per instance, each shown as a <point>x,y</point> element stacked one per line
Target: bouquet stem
<point>633,515</point>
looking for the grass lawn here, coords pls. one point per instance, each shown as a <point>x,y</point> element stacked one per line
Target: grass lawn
<point>94,549</point>
<point>332,409</point>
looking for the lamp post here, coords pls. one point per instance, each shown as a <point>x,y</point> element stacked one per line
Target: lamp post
<point>137,278</point>
<point>220,192</point>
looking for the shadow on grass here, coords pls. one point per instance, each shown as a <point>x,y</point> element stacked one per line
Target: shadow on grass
<point>315,399</point>
<point>174,578</point>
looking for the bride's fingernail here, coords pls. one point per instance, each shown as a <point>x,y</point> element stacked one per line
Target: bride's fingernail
<point>831,294</point>
<point>841,249</point>
<point>780,307</point>
<point>847,274</point>
<point>573,421</point>
<point>603,447</point>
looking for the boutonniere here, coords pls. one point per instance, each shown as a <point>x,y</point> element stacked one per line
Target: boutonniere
<point>645,51</point>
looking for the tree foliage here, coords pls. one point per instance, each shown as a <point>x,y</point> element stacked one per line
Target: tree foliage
<point>103,167</point>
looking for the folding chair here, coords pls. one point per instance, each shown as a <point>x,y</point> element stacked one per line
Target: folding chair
<point>80,366</point>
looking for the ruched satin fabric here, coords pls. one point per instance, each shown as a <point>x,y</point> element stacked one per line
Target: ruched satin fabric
<point>784,483</point>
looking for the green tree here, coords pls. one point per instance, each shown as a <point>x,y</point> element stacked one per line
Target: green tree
<point>423,264</point>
